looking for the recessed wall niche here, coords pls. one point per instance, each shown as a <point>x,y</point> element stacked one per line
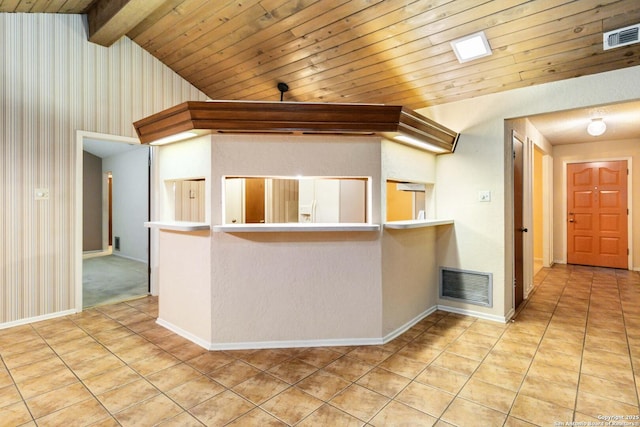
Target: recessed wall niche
<point>189,199</point>
<point>256,200</point>
<point>409,201</point>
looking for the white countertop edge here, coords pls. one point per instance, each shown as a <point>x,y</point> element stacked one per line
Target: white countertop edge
<point>416,223</point>
<point>301,227</point>
<point>178,225</point>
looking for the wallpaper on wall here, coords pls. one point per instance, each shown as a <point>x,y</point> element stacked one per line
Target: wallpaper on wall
<point>53,83</point>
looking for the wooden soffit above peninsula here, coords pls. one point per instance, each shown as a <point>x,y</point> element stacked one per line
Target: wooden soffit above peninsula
<point>391,121</point>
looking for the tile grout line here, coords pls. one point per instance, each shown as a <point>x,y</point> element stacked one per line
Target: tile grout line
<point>536,351</point>
<point>584,343</point>
<point>81,381</point>
<point>90,334</point>
<point>626,335</point>
<point>574,279</point>
<point>411,379</point>
<point>15,384</point>
<point>456,395</point>
<point>367,422</point>
<point>138,333</point>
<point>71,370</point>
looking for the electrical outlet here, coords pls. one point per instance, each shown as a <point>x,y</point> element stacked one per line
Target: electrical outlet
<point>41,194</point>
<point>484,196</point>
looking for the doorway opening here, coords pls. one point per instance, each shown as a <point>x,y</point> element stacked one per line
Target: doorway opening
<point>531,185</point>
<point>113,262</point>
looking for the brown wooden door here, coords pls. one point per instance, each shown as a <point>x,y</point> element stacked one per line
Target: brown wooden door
<point>110,208</point>
<point>597,214</point>
<point>519,228</point>
<point>254,200</point>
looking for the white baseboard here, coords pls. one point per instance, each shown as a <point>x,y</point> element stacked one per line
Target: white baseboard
<point>510,315</point>
<point>480,315</point>
<point>96,254</point>
<point>296,344</point>
<point>144,261</point>
<point>266,344</point>
<point>339,342</point>
<point>184,334</point>
<point>37,319</point>
<point>402,329</point>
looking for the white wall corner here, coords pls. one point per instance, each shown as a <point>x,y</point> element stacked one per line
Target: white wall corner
<point>402,329</point>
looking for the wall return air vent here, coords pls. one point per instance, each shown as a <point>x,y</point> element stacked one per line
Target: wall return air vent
<point>621,37</point>
<point>472,287</point>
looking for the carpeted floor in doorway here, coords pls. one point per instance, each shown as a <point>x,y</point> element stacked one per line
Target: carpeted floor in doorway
<point>109,279</point>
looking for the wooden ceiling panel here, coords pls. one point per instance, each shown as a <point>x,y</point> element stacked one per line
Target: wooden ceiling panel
<point>45,6</point>
<point>269,55</point>
<point>240,50</point>
<point>214,23</point>
<point>165,25</point>
<point>325,54</point>
<point>382,51</point>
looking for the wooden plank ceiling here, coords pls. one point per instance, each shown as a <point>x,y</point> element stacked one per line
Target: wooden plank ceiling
<point>365,51</point>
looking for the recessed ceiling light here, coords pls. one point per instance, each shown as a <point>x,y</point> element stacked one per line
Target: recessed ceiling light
<point>471,47</point>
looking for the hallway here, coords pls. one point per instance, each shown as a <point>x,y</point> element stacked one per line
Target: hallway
<point>573,354</point>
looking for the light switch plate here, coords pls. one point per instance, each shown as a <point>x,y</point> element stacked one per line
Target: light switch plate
<point>41,194</point>
<point>484,196</point>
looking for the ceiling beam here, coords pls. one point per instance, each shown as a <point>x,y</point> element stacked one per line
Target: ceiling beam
<point>111,19</point>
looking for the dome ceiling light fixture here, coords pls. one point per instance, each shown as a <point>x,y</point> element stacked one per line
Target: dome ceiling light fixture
<point>596,127</point>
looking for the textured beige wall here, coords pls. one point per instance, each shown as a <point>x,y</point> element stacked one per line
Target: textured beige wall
<point>482,239</point>
<point>409,269</point>
<point>303,285</point>
<point>54,82</point>
<point>290,288</point>
<point>182,268</point>
<point>185,284</point>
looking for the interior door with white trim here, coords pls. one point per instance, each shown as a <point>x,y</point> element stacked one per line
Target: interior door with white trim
<point>597,214</point>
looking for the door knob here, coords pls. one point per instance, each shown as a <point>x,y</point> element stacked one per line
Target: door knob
<point>524,230</point>
<point>571,220</point>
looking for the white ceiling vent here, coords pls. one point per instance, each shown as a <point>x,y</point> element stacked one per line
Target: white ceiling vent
<point>621,37</point>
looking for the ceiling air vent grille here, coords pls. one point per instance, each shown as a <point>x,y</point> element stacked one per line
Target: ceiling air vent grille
<point>621,37</point>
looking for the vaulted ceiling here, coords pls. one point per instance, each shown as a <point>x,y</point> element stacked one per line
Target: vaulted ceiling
<point>373,51</point>
<point>364,51</point>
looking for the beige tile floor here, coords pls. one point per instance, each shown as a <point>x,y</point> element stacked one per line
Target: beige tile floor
<point>572,354</point>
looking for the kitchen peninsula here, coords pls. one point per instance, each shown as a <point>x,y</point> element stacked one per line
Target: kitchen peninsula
<point>271,222</point>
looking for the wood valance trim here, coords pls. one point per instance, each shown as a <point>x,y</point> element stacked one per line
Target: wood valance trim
<point>294,117</point>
